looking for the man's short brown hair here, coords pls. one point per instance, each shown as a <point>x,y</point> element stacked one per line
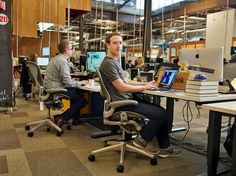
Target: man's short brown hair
<point>63,45</point>
<point>108,36</point>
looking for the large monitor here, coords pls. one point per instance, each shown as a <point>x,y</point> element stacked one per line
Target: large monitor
<point>46,51</point>
<point>208,61</point>
<point>94,59</point>
<point>42,61</point>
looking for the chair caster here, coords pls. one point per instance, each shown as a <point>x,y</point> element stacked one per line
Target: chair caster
<point>27,127</point>
<point>30,134</point>
<point>91,158</point>
<point>68,127</point>
<point>48,129</point>
<point>153,161</point>
<point>59,133</point>
<point>120,168</point>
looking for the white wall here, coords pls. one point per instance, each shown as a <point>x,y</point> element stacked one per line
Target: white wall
<point>220,30</point>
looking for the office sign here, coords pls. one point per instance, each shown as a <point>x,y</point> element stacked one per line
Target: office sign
<point>6,75</point>
<point>3,19</point>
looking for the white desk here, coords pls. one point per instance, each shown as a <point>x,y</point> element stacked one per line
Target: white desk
<point>214,126</point>
<point>171,95</point>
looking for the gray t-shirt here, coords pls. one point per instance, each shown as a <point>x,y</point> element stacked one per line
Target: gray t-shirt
<point>57,74</point>
<point>110,71</point>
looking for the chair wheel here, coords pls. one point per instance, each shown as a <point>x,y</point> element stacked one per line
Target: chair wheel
<point>68,127</point>
<point>30,134</point>
<point>91,158</point>
<point>27,127</point>
<point>48,129</point>
<point>120,168</point>
<point>153,161</point>
<point>59,133</point>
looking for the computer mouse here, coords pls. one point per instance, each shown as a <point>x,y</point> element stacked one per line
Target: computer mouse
<point>200,77</point>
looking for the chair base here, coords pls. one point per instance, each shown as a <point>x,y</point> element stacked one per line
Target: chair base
<point>40,123</point>
<point>122,146</point>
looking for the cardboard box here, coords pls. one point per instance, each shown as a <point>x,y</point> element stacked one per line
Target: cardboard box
<point>181,80</point>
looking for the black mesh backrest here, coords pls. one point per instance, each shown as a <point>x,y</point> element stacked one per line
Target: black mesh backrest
<point>104,93</point>
<point>34,73</point>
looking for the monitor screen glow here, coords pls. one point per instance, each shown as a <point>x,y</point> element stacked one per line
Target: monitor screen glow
<point>94,59</point>
<point>206,59</point>
<point>45,51</point>
<point>42,61</point>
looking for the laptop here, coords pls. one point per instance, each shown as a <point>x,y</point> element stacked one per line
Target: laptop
<point>168,79</point>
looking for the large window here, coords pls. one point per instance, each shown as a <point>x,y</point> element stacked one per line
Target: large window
<point>156,4</point>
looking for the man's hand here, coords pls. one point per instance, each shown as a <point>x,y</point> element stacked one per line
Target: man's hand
<point>84,82</point>
<point>150,85</point>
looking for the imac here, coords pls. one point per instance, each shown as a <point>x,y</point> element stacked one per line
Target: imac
<point>208,61</point>
<point>46,51</point>
<point>94,59</point>
<point>42,62</point>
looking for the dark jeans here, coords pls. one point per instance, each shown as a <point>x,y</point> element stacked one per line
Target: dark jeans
<point>77,101</point>
<point>158,121</point>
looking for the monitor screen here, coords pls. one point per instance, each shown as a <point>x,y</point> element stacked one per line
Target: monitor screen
<point>45,51</point>
<point>22,59</point>
<point>94,59</point>
<point>233,50</point>
<point>42,61</point>
<point>168,78</point>
<point>208,61</point>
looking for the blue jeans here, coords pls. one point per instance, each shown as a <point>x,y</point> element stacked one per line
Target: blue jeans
<point>158,121</point>
<point>77,101</point>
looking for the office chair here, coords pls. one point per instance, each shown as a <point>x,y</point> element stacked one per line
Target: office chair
<point>52,99</point>
<point>129,123</point>
<point>228,75</point>
<point>36,78</point>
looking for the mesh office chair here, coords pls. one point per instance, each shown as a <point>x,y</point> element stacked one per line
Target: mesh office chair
<point>52,98</point>
<point>129,122</point>
<point>228,75</point>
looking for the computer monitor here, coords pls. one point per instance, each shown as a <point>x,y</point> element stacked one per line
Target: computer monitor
<point>208,61</point>
<point>83,62</point>
<point>22,59</point>
<point>233,50</point>
<point>94,59</point>
<point>46,51</point>
<point>42,62</point>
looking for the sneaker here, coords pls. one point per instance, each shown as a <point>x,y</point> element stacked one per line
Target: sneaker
<point>58,121</point>
<point>169,152</point>
<point>147,146</point>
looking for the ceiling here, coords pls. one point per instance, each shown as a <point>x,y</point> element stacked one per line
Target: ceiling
<point>167,22</point>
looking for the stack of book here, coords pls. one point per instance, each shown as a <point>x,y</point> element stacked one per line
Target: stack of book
<point>201,88</point>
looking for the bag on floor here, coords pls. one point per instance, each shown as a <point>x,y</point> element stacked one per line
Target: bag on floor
<point>229,142</point>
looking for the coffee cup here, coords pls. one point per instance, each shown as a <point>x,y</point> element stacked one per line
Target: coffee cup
<point>91,82</point>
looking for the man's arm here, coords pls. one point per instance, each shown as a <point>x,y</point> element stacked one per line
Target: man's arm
<point>127,88</point>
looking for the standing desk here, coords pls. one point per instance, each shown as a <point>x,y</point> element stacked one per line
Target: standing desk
<point>214,131</point>
<point>172,95</point>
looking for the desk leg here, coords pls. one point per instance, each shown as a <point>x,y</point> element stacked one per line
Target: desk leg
<point>170,112</point>
<point>214,129</point>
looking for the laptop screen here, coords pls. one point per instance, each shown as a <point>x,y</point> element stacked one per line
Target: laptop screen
<point>168,78</point>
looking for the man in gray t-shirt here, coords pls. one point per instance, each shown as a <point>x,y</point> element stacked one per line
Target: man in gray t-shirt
<point>119,89</point>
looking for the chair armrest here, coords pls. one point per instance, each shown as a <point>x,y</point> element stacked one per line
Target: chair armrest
<point>116,104</point>
<point>53,91</point>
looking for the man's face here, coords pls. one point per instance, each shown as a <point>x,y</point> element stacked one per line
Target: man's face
<point>69,50</point>
<point>115,46</point>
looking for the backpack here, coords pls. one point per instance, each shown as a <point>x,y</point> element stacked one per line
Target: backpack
<point>229,141</point>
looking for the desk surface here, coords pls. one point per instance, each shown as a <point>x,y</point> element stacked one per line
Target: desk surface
<point>225,107</point>
<point>181,95</point>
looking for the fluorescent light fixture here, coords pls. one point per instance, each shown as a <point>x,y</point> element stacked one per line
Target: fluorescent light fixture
<point>197,18</point>
<point>44,26</point>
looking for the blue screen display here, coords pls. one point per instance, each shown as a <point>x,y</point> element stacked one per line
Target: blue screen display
<point>94,59</point>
